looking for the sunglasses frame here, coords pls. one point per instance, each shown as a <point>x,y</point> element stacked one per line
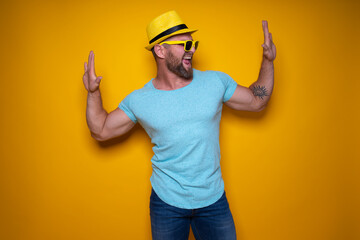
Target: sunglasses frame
<point>194,44</point>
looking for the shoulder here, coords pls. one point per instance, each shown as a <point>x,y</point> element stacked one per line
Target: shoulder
<point>212,76</point>
<point>147,88</point>
<point>211,73</point>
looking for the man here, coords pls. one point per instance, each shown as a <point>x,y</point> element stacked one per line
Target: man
<point>180,109</point>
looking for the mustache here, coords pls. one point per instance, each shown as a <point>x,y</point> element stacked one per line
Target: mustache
<point>188,55</point>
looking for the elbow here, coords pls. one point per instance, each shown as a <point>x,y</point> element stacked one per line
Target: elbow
<point>259,107</point>
<point>259,104</point>
<point>99,137</point>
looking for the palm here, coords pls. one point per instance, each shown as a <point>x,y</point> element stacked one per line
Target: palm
<point>90,80</point>
<point>268,46</point>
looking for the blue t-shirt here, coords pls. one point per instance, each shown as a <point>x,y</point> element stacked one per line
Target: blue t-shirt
<point>183,125</point>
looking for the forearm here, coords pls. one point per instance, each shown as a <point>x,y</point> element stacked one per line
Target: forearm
<point>263,87</point>
<point>95,113</point>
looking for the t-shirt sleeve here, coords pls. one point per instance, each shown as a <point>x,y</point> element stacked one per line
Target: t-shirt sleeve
<point>229,85</point>
<point>125,105</point>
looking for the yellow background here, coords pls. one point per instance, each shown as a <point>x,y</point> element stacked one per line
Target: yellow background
<point>291,172</point>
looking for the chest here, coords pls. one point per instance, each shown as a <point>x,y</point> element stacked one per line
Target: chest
<point>187,108</point>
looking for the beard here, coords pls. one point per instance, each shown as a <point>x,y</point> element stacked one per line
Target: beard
<point>175,65</point>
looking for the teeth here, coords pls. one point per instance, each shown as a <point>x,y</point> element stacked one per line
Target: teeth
<point>187,58</point>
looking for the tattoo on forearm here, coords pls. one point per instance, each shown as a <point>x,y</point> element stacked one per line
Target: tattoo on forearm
<point>259,91</point>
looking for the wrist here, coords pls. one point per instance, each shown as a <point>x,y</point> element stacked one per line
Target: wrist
<point>266,60</point>
<point>95,93</point>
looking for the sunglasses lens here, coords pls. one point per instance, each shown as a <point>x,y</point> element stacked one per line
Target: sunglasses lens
<point>188,45</point>
<point>196,44</point>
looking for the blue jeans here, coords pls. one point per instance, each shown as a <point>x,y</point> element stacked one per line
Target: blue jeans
<point>209,223</point>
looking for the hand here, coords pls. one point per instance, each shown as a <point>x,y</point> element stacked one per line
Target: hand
<point>268,46</point>
<point>91,82</point>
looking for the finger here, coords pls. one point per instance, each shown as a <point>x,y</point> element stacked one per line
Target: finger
<point>266,32</point>
<point>265,47</point>
<point>89,60</point>
<point>92,66</point>
<point>85,66</point>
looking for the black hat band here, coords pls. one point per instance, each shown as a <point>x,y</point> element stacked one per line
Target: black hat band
<point>168,32</point>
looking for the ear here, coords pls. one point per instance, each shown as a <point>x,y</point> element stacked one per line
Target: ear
<point>159,51</point>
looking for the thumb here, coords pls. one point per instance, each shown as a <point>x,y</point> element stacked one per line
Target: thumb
<point>98,79</point>
<point>265,47</point>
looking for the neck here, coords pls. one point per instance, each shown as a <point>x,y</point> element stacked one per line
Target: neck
<point>167,80</point>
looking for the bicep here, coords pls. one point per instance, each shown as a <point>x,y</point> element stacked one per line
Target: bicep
<point>242,99</point>
<point>116,124</point>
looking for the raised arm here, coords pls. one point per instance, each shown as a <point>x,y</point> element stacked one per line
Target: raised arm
<point>258,94</point>
<point>102,125</point>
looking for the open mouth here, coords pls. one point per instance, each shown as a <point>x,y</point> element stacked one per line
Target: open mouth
<point>187,60</point>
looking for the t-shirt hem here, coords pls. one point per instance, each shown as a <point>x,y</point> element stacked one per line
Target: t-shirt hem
<point>127,113</point>
<point>230,92</point>
<point>194,206</point>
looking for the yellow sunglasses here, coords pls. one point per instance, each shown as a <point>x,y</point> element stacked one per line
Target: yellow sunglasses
<point>188,44</point>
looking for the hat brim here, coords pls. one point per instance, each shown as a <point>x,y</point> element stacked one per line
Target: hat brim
<point>150,46</point>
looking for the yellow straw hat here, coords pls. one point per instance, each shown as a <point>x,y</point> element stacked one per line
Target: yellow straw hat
<point>165,26</point>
